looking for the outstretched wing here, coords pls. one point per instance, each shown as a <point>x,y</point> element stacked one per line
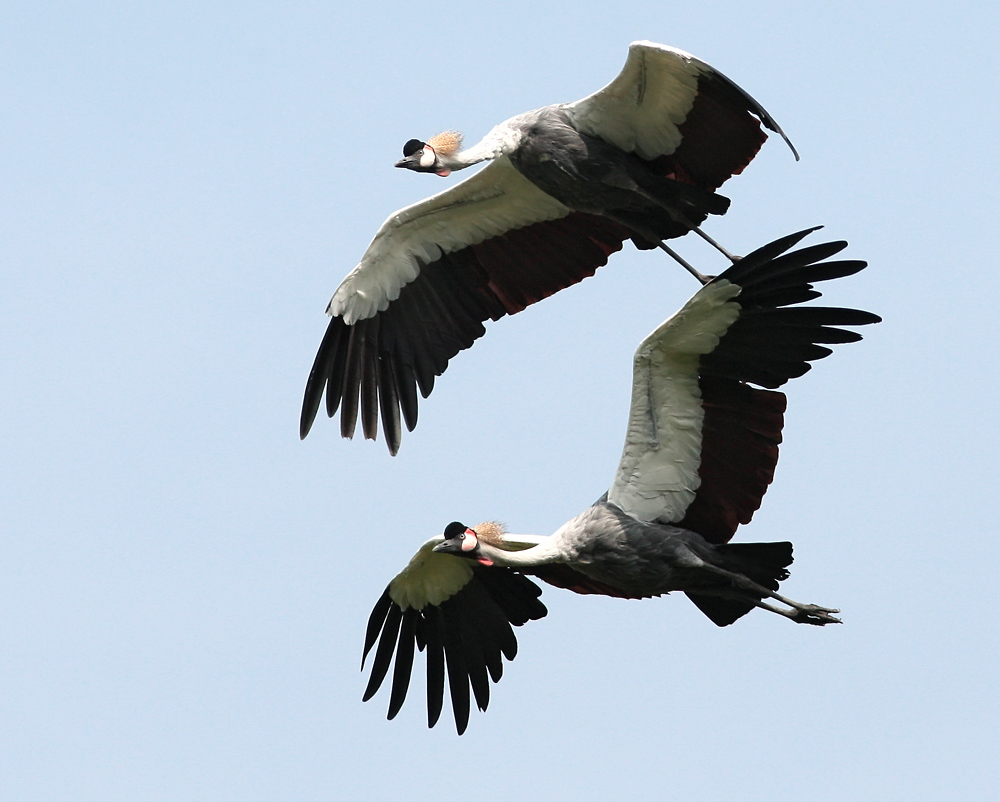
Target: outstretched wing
<point>487,247</point>
<point>461,614</point>
<point>702,444</point>
<point>666,104</point>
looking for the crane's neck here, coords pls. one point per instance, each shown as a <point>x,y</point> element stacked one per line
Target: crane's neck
<point>498,142</point>
<point>547,551</point>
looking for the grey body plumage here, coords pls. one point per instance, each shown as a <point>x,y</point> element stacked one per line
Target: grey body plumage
<point>589,175</point>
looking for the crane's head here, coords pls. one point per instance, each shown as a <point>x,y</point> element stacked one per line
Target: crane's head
<point>429,156</point>
<point>464,541</point>
<point>458,539</point>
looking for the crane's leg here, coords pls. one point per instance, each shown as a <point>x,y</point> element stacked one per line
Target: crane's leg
<point>798,612</point>
<point>674,197</point>
<point>677,215</point>
<point>651,237</point>
<point>714,244</point>
<point>685,264</point>
<point>803,613</point>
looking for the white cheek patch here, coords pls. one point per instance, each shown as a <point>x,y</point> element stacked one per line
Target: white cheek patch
<point>427,156</point>
<point>470,541</point>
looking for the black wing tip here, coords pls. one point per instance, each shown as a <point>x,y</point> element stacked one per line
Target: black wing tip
<point>777,129</point>
<point>755,261</point>
<point>778,333</point>
<point>784,243</point>
<point>466,639</point>
<point>305,423</point>
<point>310,409</point>
<point>311,400</point>
<point>360,380</point>
<point>764,254</point>
<point>861,317</point>
<point>752,106</point>
<point>772,125</point>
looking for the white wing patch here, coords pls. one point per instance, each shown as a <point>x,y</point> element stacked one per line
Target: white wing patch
<point>429,578</point>
<point>641,109</point>
<point>494,200</point>
<point>658,474</point>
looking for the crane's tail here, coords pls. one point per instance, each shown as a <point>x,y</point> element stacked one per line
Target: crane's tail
<point>692,203</point>
<point>675,209</point>
<point>764,563</point>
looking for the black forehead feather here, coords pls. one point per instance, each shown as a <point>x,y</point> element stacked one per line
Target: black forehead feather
<point>412,147</point>
<point>454,529</point>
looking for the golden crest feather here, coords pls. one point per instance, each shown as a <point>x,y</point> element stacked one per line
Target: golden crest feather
<point>491,532</point>
<point>446,143</point>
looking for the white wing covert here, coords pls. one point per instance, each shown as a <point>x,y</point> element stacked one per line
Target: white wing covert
<point>495,200</point>
<point>657,476</point>
<point>666,101</point>
<point>641,110</point>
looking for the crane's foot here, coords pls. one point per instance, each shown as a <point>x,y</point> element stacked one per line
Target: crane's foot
<point>803,613</point>
<point>797,611</point>
<point>814,614</point>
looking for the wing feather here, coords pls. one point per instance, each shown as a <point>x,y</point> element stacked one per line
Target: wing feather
<point>701,444</point>
<point>435,663</point>
<point>658,473</point>
<point>463,615</point>
<point>493,201</point>
<point>442,312</point>
<point>404,662</point>
<point>667,103</point>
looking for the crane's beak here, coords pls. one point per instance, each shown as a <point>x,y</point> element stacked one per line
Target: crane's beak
<point>454,546</point>
<point>410,162</point>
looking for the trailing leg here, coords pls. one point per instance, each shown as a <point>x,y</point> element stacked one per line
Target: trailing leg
<point>756,593</point>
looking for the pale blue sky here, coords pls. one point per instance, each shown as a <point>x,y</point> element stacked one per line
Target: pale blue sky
<point>184,585</point>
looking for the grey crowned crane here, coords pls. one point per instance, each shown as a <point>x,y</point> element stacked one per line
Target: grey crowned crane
<point>700,451</point>
<point>565,187</point>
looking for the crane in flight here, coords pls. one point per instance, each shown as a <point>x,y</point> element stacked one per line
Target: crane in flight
<point>565,187</point>
<point>700,450</point>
